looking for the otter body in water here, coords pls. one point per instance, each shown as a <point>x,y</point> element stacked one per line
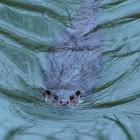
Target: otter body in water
<point>74,63</point>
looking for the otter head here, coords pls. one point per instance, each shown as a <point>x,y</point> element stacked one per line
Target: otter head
<point>63,97</point>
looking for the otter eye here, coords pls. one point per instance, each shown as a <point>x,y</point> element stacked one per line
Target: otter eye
<point>78,92</point>
<point>55,97</point>
<point>48,92</point>
<point>71,97</point>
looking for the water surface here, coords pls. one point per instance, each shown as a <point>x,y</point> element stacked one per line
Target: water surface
<point>27,29</point>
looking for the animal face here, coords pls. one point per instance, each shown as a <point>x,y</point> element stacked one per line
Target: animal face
<point>63,97</point>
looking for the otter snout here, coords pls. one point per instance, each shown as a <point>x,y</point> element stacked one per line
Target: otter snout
<point>63,103</point>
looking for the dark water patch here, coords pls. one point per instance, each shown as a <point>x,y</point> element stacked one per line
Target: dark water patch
<point>116,103</point>
<point>114,23</point>
<point>117,49</point>
<point>127,54</point>
<point>20,58</point>
<point>13,133</point>
<point>117,22</point>
<point>20,96</point>
<point>20,38</point>
<point>110,83</point>
<point>40,7</point>
<point>23,27</point>
<point>122,126</point>
<point>109,4</point>
<point>121,14</point>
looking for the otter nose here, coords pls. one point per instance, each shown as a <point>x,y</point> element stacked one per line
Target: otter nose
<point>63,102</point>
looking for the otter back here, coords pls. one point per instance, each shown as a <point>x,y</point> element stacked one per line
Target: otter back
<point>76,57</point>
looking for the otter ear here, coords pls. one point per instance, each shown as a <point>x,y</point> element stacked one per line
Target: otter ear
<point>78,93</point>
<point>47,92</point>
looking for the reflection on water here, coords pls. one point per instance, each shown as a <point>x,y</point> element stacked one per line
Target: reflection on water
<point>27,30</point>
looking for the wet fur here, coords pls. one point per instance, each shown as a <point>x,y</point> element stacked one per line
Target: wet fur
<point>77,56</point>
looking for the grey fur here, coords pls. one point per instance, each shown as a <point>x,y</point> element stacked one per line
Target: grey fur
<point>76,58</point>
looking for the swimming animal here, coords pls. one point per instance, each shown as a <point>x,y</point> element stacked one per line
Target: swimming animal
<point>75,60</point>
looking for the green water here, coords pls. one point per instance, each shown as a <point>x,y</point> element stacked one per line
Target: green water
<point>27,28</point>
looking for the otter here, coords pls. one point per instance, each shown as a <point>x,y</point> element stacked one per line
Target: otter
<point>74,61</point>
